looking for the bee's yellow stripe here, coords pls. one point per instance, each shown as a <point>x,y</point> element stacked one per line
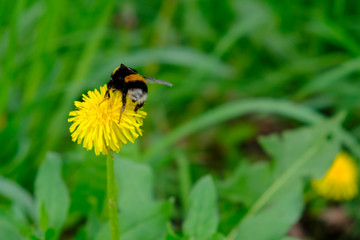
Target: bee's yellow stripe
<point>134,77</point>
<point>115,70</point>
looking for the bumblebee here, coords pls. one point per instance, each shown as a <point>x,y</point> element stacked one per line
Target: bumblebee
<point>130,83</point>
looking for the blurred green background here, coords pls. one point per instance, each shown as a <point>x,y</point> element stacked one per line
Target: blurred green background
<point>237,68</point>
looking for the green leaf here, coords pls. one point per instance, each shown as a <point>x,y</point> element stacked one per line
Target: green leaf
<point>329,78</point>
<point>306,152</point>
<point>303,152</point>
<point>172,237</point>
<point>135,185</point>
<point>283,211</point>
<point>50,234</point>
<point>51,194</point>
<point>9,231</point>
<point>104,232</point>
<point>151,225</point>
<point>34,237</point>
<point>243,184</point>
<point>242,27</point>
<point>93,224</point>
<point>202,218</point>
<point>89,183</point>
<point>140,216</point>
<point>18,196</point>
<point>218,236</point>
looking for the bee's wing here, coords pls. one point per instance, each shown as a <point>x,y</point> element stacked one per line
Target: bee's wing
<point>158,81</point>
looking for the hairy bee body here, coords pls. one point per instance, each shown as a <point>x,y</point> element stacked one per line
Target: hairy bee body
<point>131,84</point>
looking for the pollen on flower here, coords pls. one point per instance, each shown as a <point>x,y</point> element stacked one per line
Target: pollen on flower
<point>95,122</point>
<point>340,182</point>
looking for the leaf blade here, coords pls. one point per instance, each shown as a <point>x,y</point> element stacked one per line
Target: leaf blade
<point>51,193</point>
<point>202,218</point>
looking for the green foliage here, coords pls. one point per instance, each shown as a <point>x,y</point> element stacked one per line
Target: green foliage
<point>227,152</point>
<point>8,230</point>
<point>281,195</point>
<point>275,221</point>
<point>140,215</point>
<point>202,216</point>
<point>19,196</point>
<point>52,197</point>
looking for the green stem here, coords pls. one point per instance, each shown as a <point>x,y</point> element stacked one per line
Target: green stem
<point>111,193</point>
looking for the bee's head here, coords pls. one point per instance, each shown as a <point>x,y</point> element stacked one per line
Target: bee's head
<point>127,70</point>
<point>117,78</point>
<point>110,83</point>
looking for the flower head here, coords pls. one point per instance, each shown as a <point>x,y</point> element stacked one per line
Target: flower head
<point>96,121</point>
<point>340,182</point>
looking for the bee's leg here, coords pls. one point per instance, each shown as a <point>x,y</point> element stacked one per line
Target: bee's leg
<point>107,96</point>
<point>123,104</point>
<point>138,106</point>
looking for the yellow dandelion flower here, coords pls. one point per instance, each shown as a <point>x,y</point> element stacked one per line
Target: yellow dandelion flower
<point>340,182</point>
<point>96,122</point>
